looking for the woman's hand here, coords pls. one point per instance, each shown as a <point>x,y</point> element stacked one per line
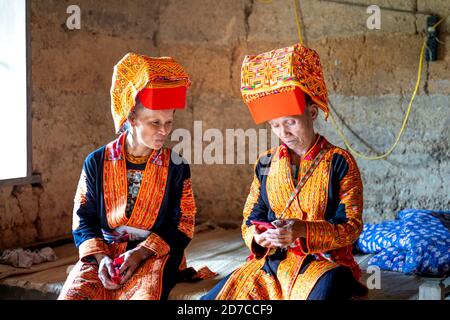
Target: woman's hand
<point>106,271</point>
<point>262,239</point>
<point>131,261</point>
<point>286,232</point>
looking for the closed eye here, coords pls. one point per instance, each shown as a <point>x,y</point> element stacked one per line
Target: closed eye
<point>290,122</point>
<point>274,125</point>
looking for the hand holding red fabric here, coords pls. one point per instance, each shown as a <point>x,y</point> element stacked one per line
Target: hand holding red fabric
<point>285,233</point>
<point>261,237</point>
<point>117,263</point>
<point>106,273</point>
<point>130,261</point>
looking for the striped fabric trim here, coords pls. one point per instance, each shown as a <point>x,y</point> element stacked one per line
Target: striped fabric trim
<point>93,246</point>
<point>305,282</point>
<point>252,198</point>
<point>188,209</point>
<point>156,244</point>
<point>287,272</point>
<point>80,199</point>
<point>115,184</point>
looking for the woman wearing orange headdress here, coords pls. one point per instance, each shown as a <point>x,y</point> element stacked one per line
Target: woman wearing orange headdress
<point>134,207</point>
<point>304,209</point>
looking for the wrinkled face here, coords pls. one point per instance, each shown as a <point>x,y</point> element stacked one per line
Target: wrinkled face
<point>295,131</point>
<point>152,127</point>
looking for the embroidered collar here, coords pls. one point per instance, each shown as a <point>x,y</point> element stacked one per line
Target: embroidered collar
<point>312,152</point>
<point>115,151</point>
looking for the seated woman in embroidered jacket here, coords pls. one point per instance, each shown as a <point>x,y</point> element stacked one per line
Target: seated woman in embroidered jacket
<point>304,209</point>
<point>134,208</point>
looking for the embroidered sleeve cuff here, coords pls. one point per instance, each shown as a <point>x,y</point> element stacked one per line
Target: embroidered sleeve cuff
<point>91,247</point>
<point>323,236</point>
<point>156,244</point>
<point>319,237</point>
<point>247,234</point>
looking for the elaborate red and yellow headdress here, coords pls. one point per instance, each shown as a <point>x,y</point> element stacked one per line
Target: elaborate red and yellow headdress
<point>159,83</point>
<point>274,83</point>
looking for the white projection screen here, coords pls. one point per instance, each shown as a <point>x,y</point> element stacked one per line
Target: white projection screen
<point>13,90</point>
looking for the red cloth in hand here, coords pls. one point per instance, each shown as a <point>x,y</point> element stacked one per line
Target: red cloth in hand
<point>117,263</point>
<point>262,225</point>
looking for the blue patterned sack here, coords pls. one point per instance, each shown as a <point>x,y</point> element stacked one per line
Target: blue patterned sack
<point>418,241</point>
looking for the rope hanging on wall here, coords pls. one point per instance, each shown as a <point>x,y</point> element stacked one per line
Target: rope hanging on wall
<point>408,110</point>
<point>405,120</point>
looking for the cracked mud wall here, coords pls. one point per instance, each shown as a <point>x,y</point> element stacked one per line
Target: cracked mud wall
<point>370,75</point>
